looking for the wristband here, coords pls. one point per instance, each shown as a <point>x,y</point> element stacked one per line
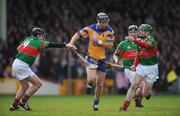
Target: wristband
<point>100,42</point>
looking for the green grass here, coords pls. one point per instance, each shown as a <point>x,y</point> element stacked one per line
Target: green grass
<point>161,105</point>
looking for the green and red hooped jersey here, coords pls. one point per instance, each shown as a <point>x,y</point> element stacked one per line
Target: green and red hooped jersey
<point>148,56</point>
<point>30,48</point>
<point>127,51</point>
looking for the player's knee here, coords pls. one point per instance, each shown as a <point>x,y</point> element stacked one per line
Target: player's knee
<point>25,87</point>
<point>134,86</point>
<point>91,78</point>
<point>39,84</point>
<point>99,85</point>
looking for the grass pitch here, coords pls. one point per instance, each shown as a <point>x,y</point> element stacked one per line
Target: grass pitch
<point>160,105</point>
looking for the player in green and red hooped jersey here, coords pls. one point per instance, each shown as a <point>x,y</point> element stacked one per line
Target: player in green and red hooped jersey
<point>126,52</point>
<point>28,50</point>
<point>147,68</point>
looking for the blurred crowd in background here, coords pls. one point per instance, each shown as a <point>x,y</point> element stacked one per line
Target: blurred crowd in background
<point>62,18</point>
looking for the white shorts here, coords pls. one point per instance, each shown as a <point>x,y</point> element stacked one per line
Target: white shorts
<point>150,73</point>
<point>21,70</point>
<point>129,74</point>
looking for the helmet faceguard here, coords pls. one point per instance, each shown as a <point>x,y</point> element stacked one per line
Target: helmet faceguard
<point>102,17</point>
<point>133,31</point>
<point>133,28</point>
<point>38,31</point>
<point>146,28</point>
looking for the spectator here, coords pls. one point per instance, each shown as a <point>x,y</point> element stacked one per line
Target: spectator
<point>63,18</point>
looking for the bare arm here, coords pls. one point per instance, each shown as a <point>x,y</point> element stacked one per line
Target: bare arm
<point>73,40</point>
<point>139,42</point>
<point>143,44</point>
<point>116,60</point>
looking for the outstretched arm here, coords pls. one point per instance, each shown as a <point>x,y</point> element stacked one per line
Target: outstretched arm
<point>48,44</point>
<point>73,40</point>
<point>143,44</point>
<point>56,45</point>
<point>139,42</point>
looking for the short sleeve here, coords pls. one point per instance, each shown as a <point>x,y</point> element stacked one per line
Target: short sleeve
<point>83,33</point>
<point>152,41</point>
<point>43,44</point>
<point>110,37</point>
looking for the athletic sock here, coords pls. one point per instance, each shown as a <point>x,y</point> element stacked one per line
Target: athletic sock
<point>25,98</point>
<point>90,85</point>
<point>15,103</point>
<point>96,103</point>
<point>125,105</point>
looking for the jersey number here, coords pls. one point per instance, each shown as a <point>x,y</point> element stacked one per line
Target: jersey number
<point>26,43</point>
